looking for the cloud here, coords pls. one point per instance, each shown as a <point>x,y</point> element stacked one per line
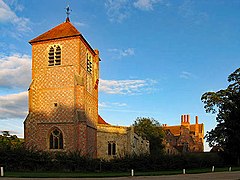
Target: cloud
<point>188,11</point>
<point>186,75</point>
<point>7,15</point>
<point>15,5</point>
<point>145,4</point>
<point>117,10</point>
<point>119,53</point>
<point>79,24</point>
<point>126,87</point>
<point>111,105</point>
<point>15,71</point>
<point>14,105</point>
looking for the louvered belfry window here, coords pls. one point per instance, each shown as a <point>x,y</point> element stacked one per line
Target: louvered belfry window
<point>89,63</point>
<point>54,55</point>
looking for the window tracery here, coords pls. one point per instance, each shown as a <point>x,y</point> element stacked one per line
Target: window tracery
<point>56,139</point>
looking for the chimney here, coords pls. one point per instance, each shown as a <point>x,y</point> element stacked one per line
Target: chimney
<point>196,119</point>
<point>182,118</point>
<point>196,127</point>
<point>188,118</point>
<point>185,118</point>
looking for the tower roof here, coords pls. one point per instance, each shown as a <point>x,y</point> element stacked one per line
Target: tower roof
<point>63,30</point>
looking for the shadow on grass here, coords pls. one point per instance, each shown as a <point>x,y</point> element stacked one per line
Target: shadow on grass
<point>109,174</point>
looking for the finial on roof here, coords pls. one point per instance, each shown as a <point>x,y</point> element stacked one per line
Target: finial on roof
<point>68,10</point>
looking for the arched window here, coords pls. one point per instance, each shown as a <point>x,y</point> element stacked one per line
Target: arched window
<point>58,56</point>
<point>111,148</point>
<point>51,56</point>
<point>54,55</point>
<point>56,139</point>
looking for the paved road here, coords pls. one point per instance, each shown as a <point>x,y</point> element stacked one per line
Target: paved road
<point>216,175</point>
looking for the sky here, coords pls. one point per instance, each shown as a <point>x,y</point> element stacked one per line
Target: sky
<point>157,56</point>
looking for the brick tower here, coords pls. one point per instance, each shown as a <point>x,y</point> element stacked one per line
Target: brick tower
<point>63,94</point>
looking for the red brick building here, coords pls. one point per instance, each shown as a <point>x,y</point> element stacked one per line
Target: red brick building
<point>185,137</point>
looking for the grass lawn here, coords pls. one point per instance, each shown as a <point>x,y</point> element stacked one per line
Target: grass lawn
<point>107,174</point>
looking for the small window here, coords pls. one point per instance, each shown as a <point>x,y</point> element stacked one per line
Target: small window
<point>89,63</point>
<point>111,148</point>
<point>51,57</point>
<point>58,56</point>
<point>54,55</point>
<point>56,139</point>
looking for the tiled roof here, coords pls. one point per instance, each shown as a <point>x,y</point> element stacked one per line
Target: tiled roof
<point>101,121</point>
<point>175,130</point>
<point>65,29</point>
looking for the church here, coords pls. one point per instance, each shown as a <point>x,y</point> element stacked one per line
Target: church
<point>63,104</point>
<point>63,100</point>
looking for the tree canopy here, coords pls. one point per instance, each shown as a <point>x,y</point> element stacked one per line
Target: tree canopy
<point>150,129</point>
<point>226,104</point>
<point>8,141</point>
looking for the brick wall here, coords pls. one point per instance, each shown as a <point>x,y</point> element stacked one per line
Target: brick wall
<point>57,93</point>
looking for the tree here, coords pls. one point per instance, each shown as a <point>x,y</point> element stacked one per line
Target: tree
<point>150,129</point>
<point>8,141</point>
<point>226,103</point>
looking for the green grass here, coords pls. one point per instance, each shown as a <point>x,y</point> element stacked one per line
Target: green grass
<point>64,174</point>
<point>108,174</point>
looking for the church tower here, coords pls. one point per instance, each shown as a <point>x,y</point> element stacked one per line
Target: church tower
<point>63,94</point>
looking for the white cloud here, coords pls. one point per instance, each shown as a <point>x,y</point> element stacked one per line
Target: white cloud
<point>117,10</point>
<point>119,53</point>
<point>15,71</point>
<point>15,5</point>
<point>128,87</point>
<point>188,11</point>
<point>186,75</point>
<point>7,15</point>
<point>145,4</point>
<point>111,105</point>
<point>14,105</point>
<point>79,24</point>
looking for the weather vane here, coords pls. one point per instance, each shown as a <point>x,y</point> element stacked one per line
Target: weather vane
<point>68,10</point>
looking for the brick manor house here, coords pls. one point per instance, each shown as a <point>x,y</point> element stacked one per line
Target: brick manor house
<point>63,103</point>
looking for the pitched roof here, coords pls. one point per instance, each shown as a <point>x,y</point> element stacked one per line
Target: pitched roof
<point>101,121</point>
<point>63,30</point>
<point>175,130</point>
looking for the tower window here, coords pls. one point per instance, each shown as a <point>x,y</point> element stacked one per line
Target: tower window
<point>89,63</point>
<point>111,148</point>
<point>56,139</point>
<point>54,55</point>
<point>51,57</point>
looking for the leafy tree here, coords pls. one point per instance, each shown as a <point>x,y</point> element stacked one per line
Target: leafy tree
<point>8,141</point>
<point>226,103</point>
<point>150,129</point>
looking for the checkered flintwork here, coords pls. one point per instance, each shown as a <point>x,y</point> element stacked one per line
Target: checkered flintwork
<point>62,94</point>
<point>63,100</point>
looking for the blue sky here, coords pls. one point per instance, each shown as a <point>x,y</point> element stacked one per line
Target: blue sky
<point>158,56</point>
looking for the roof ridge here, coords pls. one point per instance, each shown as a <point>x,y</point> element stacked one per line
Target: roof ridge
<point>65,29</point>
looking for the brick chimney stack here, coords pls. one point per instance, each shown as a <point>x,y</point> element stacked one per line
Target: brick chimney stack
<point>185,120</point>
<point>196,119</point>
<point>196,127</point>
